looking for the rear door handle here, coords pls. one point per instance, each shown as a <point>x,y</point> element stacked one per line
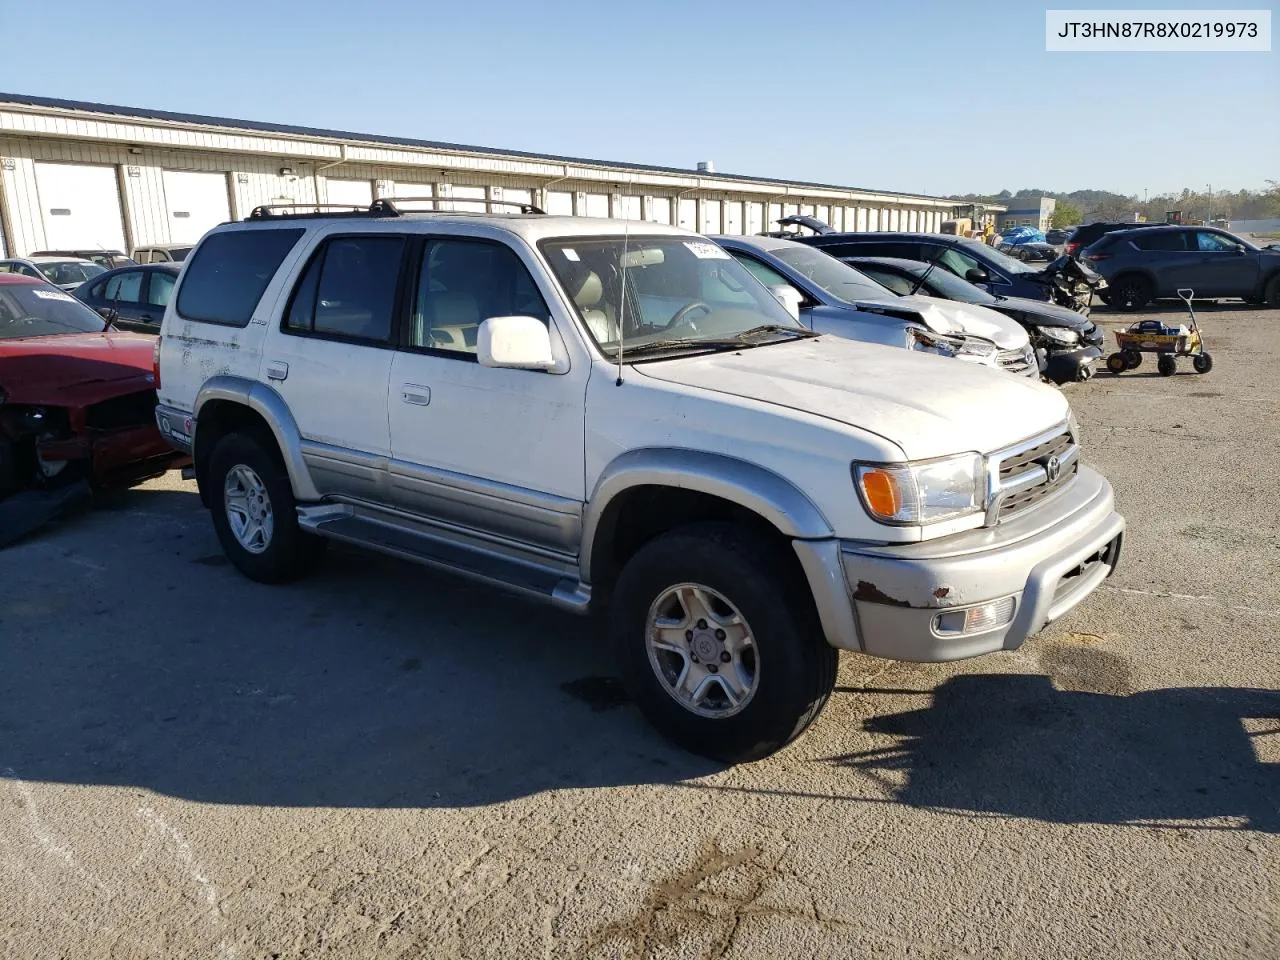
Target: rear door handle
<point>277,370</point>
<point>415,394</point>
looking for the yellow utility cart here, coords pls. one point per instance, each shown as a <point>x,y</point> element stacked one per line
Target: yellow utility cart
<point>1167,342</point>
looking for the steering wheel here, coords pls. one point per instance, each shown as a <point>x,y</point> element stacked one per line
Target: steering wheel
<point>681,316</point>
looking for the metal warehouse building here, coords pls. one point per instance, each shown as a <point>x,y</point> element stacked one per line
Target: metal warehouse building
<point>87,175</point>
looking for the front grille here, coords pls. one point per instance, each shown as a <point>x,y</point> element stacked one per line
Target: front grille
<point>130,410</point>
<point>1021,478</point>
<point>1017,361</point>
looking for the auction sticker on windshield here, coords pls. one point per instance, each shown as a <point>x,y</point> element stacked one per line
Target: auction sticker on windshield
<point>704,250</point>
<point>53,295</point>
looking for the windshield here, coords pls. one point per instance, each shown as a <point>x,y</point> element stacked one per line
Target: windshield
<point>834,276</point>
<point>1005,262</point>
<point>36,310</point>
<point>69,271</point>
<point>948,285</point>
<point>677,288</point>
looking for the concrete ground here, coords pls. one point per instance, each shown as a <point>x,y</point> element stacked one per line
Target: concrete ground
<point>385,762</point>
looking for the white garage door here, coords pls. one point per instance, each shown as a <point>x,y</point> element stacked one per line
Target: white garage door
<point>195,202</point>
<point>80,206</point>
<point>348,191</point>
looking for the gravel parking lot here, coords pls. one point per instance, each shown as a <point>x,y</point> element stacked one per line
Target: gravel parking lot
<point>384,762</point>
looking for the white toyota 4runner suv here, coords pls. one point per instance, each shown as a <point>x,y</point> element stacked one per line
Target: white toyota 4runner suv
<point>614,415</point>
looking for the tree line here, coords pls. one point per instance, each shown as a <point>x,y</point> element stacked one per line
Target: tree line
<point>1077,206</point>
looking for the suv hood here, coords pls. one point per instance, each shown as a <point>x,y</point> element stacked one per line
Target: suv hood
<point>72,368</point>
<point>929,406</point>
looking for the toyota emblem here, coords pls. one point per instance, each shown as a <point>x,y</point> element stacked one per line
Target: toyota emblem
<point>1053,469</point>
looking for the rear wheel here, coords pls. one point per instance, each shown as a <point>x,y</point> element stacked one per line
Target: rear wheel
<point>719,644</point>
<point>1130,293</point>
<point>1202,362</point>
<point>1117,363</point>
<point>1133,358</point>
<point>1167,365</point>
<point>254,513</point>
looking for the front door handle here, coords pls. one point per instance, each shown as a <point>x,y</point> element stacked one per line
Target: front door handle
<point>415,394</point>
<point>277,370</point>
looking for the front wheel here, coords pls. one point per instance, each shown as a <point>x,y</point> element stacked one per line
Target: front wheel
<point>719,644</point>
<point>1133,358</point>
<point>254,513</point>
<point>1167,365</point>
<point>1117,363</point>
<point>1202,362</point>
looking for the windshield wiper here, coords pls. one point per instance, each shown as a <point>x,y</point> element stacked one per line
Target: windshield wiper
<point>711,344</point>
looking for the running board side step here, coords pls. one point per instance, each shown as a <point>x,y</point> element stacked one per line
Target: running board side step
<point>407,540</point>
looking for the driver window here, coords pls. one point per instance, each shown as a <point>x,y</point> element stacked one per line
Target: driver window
<point>464,282</point>
<point>1214,242</point>
<point>957,262</point>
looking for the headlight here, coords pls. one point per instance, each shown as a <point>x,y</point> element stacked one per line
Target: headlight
<point>1059,334</point>
<point>924,492</point>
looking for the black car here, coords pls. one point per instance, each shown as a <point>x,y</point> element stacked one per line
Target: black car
<point>1068,342</point>
<point>1143,265</point>
<point>132,298</point>
<point>1089,233</point>
<point>1058,235</point>
<point>971,260</point>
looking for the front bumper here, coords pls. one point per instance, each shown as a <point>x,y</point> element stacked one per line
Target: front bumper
<point>886,600</point>
<point>1064,366</point>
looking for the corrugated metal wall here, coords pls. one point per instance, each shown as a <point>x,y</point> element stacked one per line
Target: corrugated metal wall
<point>263,169</point>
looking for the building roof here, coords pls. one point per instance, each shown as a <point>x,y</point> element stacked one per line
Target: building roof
<point>319,133</point>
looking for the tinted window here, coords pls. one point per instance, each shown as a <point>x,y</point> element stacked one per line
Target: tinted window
<point>161,287</point>
<point>463,283</point>
<point>1159,240</point>
<point>227,278</point>
<point>125,287</point>
<point>349,289</point>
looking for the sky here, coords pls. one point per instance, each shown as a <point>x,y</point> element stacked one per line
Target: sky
<point>921,97</point>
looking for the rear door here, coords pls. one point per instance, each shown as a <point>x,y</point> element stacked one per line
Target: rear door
<point>1167,256</point>
<point>1218,268</point>
<point>330,358</point>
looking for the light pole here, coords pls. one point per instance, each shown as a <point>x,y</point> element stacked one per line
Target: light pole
<point>1209,217</point>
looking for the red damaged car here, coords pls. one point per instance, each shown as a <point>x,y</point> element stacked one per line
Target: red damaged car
<point>77,399</point>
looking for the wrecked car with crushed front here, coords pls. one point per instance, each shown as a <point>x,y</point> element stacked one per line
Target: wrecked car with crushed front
<point>77,398</point>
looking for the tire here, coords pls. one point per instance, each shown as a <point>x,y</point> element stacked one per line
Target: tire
<point>1202,362</point>
<point>1133,358</point>
<point>1117,363</point>
<point>1272,295</point>
<point>244,467</point>
<point>1167,365</point>
<point>1130,293</point>
<point>784,674</point>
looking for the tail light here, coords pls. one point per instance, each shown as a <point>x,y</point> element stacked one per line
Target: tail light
<point>155,363</point>
<point>1072,246</point>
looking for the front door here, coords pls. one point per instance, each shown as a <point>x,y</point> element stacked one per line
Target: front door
<point>124,302</point>
<point>333,356</point>
<point>1218,268</point>
<point>497,451</point>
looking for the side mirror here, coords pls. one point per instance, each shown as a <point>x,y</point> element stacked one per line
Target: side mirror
<point>109,314</point>
<point>520,343</point>
<point>789,297</point>
<point>976,275</point>
<point>1240,248</point>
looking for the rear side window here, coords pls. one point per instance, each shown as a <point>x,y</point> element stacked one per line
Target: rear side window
<point>349,289</point>
<point>1160,240</point>
<point>125,287</point>
<point>228,276</point>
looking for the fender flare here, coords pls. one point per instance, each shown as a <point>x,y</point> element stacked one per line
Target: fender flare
<point>269,405</point>
<point>753,487</point>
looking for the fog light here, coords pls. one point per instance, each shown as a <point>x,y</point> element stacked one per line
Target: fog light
<point>987,616</point>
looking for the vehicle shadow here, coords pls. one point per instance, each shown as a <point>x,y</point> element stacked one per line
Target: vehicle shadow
<point>375,683</point>
<point>1015,745</point>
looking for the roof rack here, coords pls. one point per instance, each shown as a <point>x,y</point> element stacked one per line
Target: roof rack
<point>390,203</point>
<point>319,210</point>
<point>382,207</point>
